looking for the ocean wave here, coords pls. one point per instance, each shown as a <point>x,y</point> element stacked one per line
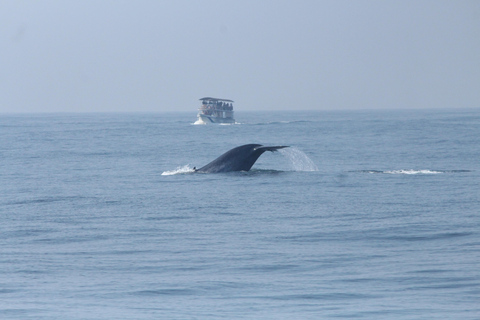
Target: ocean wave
<point>413,171</point>
<point>279,122</point>
<point>44,200</point>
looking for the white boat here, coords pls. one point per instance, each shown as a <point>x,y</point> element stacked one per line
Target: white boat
<point>215,110</point>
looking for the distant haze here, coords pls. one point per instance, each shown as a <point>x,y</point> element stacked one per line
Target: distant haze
<point>158,56</point>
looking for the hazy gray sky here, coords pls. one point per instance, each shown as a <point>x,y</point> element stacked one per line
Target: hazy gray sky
<point>99,55</point>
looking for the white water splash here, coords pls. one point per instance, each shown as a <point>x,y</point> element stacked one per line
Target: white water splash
<point>199,121</point>
<point>179,170</point>
<point>298,159</point>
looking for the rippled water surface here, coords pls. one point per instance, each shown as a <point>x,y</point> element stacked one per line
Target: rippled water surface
<point>368,215</point>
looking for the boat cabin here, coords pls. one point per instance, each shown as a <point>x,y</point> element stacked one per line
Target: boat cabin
<point>216,110</point>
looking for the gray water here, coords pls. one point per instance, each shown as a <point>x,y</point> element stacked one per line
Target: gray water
<point>369,215</point>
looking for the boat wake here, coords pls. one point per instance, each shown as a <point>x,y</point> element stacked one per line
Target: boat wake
<point>179,170</point>
<point>199,122</point>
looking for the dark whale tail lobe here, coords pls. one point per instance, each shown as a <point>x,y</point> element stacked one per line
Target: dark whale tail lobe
<point>240,158</point>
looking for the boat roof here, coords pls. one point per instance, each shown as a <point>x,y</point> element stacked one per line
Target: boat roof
<point>216,99</point>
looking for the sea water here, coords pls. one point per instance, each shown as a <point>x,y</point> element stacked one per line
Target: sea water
<point>368,215</point>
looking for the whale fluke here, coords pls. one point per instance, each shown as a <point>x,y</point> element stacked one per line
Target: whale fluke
<point>240,158</point>
<point>272,148</point>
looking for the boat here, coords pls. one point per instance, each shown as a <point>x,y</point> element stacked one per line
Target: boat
<point>214,110</point>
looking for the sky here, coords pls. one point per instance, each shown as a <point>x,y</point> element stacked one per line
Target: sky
<point>163,56</point>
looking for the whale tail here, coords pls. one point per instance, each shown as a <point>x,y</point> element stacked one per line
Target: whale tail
<point>240,158</point>
<point>272,148</point>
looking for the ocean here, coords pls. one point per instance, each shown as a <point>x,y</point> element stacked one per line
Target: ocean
<point>367,215</point>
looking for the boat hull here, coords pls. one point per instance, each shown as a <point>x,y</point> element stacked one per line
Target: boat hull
<point>213,119</point>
